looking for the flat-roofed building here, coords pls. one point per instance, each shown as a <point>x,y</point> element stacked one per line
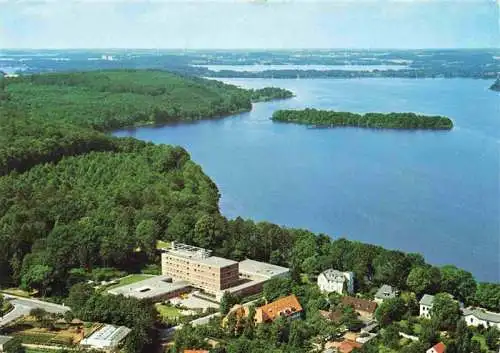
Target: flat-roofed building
<point>197,266</point>
<point>252,269</point>
<point>156,288</point>
<point>106,338</point>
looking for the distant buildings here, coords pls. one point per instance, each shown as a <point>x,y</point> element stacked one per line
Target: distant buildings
<point>336,281</point>
<point>478,316</point>
<point>365,308</point>
<point>216,275</point>
<point>385,292</point>
<point>437,348</point>
<point>4,343</point>
<point>108,337</point>
<point>156,288</point>
<point>283,307</point>
<point>426,305</point>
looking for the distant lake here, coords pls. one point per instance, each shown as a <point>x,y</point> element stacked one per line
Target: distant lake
<point>436,193</point>
<point>259,68</point>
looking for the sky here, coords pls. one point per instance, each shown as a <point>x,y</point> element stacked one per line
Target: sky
<point>249,24</point>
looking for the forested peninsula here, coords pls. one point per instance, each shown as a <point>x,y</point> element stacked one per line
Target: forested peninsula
<point>47,116</point>
<point>399,121</point>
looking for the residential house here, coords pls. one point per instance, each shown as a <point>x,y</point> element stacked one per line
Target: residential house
<point>283,307</point>
<point>437,348</point>
<point>385,292</point>
<point>426,305</point>
<point>4,343</point>
<point>239,311</point>
<point>348,346</point>
<point>478,316</point>
<point>336,281</point>
<point>333,316</point>
<point>365,308</point>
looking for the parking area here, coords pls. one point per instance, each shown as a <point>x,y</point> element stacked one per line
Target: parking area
<point>192,302</point>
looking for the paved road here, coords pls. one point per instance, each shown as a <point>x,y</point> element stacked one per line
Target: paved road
<point>23,306</point>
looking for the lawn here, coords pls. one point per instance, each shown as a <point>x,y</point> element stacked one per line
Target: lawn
<point>168,312</point>
<point>18,292</point>
<point>129,280</point>
<point>160,244</point>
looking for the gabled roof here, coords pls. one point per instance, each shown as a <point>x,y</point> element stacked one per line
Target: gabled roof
<point>285,306</point>
<point>348,346</point>
<point>427,300</point>
<point>360,304</point>
<point>482,314</point>
<point>439,347</point>
<point>334,316</point>
<point>385,292</point>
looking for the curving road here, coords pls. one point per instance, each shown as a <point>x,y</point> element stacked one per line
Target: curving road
<point>23,306</point>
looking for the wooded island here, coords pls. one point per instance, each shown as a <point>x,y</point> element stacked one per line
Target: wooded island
<point>327,118</point>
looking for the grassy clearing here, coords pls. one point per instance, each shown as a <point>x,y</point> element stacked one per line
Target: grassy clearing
<point>18,292</point>
<point>168,312</point>
<point>129,280</point>
<point>160,244</point>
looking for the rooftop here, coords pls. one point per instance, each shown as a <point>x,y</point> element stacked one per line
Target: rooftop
<point>261,269</point>
<point>4,339</point>
<point>439,347</point>
<point>285,306</point>
<point>386,292</point>
<point>427,300</point>
<point>149,288</point>
<point>112,335</point>
<point>335,275</point>
<point>360,304</point>
<point>199,255</point>
<point>482,314</point>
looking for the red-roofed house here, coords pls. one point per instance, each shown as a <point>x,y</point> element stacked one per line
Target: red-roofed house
<point>348,346</point>
<point>437,348</point>
<point>286,306</point>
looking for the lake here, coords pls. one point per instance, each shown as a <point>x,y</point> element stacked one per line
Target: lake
<point>432,192</point>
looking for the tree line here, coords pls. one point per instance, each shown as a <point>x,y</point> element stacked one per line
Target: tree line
<point>325,118</point>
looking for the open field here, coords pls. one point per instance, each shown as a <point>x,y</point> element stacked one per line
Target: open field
<point>160,244</point>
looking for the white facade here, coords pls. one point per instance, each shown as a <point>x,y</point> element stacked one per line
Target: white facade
<point>476,317</point>
<point>335,281</point>
<point>426,305</point>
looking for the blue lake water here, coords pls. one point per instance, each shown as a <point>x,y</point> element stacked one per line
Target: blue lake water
<point>437,193</point>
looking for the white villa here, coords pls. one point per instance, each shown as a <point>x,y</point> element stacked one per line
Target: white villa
<point>426,305</point>
<point>336,281</point>
<point>479,316</point>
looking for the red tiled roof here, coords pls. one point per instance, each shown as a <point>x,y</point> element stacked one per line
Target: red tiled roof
<point>285,306</point>
<point>439,347</point>
<point>360,304</point>
<point>348,346</point>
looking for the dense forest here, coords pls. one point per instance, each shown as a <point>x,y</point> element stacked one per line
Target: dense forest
<point>496,85</point>
<point>324,118</point>
<point>108,100</point>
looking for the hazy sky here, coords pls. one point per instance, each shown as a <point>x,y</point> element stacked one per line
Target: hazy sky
<point>249,24</point>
